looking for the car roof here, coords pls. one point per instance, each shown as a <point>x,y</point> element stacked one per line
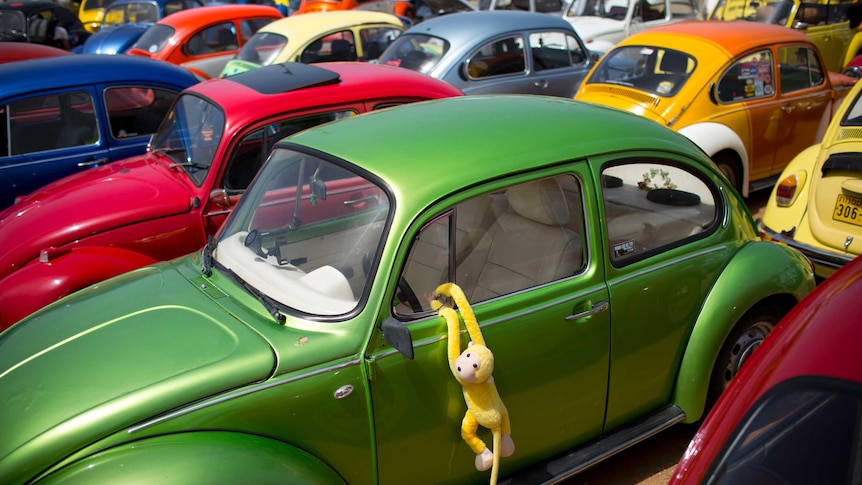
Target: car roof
<point>192,18</point>
<point>19,51</point>
<point>247,97</point>
<point>84,69</point>
<point>307,24</point>
<point>734,37</point>
<point>484,23</point>
<point>451,143</point>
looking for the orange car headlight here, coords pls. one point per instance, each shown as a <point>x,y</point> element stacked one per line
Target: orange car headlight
<point>788,190</point>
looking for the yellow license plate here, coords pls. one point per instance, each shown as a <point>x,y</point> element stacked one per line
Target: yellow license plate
<point>848,209</point>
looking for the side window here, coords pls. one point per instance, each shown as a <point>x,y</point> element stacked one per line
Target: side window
<point>217,38</point>
<point>809,15</point>
<point>254,148</point>
<point>172,6</point>
<point>250,26</point>
<point>51,122</point>
<point>375,40</point>
<point>777,441</point>
<point>749,78</point>
<point>553,50</point>
<point>137,111</point>
<point>502,56</point>
<point>652,206</point>
<point>497,243</point>
<point>799,68</point>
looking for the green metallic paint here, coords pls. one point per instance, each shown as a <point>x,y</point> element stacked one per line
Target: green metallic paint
<point>739,287</point>
<point>205,458</point>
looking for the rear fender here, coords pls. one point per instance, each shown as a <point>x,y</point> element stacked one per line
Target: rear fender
<point>715,137</point>
<point>205,457</point>
<point>741,286</point>
<point>65,271</point>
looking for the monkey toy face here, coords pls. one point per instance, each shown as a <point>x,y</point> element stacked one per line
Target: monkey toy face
<point>475,364</point>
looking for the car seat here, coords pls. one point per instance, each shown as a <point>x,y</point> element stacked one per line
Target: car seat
<point>341,50</point>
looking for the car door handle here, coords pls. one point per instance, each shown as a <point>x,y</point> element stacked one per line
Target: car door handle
<point>788,108</point>
<point>93,163</point>
<point>595,308</point>
<point>541,83</point>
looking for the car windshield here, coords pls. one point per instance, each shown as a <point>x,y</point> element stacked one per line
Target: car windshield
<point>190,134</point>
<point>155,38</point>
<point>609,9</point>
<point>126,13</point>
<point>651,69</point>
<point>12,26</point>
<point>262,48</point>
<point>418,52</point>
<point>305,235</point>
<point>765,12</point>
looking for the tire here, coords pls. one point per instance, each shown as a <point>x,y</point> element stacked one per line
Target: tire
<point>746,336</point>
<point>728,166</point>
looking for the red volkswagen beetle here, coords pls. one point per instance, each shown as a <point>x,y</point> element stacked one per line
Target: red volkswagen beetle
<point>793,414</point>
<point>203,39</point>
<point>164,204</point>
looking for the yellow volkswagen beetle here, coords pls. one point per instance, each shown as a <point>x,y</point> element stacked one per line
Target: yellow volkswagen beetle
<point>750,95</point>
<point>340,35</point>
<point>817,206</point>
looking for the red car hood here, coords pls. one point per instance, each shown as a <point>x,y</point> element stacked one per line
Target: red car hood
<point>91,202</point>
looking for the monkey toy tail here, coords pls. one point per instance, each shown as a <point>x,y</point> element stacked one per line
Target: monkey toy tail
<point>495,464</point>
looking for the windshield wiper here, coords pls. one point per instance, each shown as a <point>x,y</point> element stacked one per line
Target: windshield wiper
<point>196,165</point>
<point>267,302</point>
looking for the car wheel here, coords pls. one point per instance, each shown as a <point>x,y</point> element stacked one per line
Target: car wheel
<point>728,166</point>
<point>748,334</point>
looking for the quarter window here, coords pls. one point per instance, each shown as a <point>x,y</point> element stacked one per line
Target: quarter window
<point>749,78</point>
<point>653,206</point>
<point>497,243</point>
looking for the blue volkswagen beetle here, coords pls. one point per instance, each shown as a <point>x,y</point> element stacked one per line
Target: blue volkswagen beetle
<point>102,108</point>
<point>125,22</point>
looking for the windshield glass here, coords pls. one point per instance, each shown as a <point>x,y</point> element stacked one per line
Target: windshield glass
<point>12,26</point>
<point>305,234</point>
<point>418,52</point>
<point>609,9</point>
<point>154,39</point>
<point>651,69</point>
<point>190,134</point>
<point>766,12</point>
<point>262,48</point>
<point>127,13</point>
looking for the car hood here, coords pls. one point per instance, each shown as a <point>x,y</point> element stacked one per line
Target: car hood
<point>112,355</point>
<point>113,40</point>
<point>626,99</point>
<point>90,202</point>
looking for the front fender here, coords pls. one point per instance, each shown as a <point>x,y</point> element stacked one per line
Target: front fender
<point>205,457</point>
<point>740,287</point>
<point>715,137</point>
<point>38,283</point>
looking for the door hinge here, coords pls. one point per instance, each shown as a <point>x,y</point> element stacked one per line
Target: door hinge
<point>368,365</point>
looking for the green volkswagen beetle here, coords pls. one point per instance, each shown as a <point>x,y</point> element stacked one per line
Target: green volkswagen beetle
<point>616,277</point>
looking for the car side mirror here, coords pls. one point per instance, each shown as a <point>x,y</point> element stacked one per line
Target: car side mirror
<point>318,188</point>
<point>396,334</point>
<point>221,198</point>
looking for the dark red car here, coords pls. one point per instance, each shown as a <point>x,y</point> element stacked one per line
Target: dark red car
<point>164,204</point>
<point>793,414</point>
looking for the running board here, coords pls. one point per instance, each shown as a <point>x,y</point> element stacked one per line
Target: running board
<point>579,459</point>
<point>767,183</point>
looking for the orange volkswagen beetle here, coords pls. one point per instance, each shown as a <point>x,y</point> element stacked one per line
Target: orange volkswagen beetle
<point>203,39</point>
<point>750,95</point>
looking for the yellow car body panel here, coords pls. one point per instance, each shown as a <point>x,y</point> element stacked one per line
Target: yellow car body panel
<point>763,127</point>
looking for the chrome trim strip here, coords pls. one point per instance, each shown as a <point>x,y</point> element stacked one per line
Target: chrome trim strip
<point>233,395</point>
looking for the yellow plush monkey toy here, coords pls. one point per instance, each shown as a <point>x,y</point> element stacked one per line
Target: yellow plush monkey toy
<point>472,368</point>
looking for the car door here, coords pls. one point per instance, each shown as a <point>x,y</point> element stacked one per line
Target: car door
<point>538,292</point>
<point>559,62</point>
<point>497,66</point>
<point>658,216</point>
<point>51,135</point>
<point>806,103</point>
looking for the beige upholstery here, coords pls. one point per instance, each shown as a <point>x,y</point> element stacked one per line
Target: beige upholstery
<point>529,244</point>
